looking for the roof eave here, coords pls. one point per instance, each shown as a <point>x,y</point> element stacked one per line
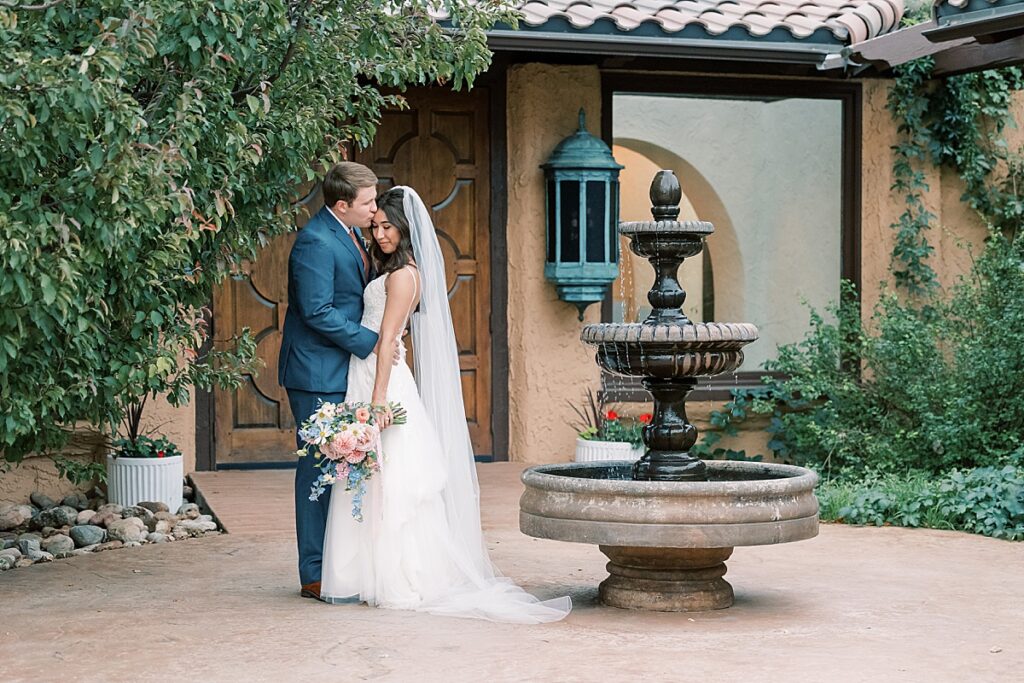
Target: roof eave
<point>978,23</point>
<point>812,54</point>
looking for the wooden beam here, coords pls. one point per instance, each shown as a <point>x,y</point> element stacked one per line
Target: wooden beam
<point>977,57</point>
<point>898,47</point>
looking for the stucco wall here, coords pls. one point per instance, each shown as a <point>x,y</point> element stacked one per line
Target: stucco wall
<point>956,226</point>
<point>548,366</point>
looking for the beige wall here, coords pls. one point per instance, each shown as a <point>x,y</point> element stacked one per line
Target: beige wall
<point>548,366</point>
<point>956,226</point>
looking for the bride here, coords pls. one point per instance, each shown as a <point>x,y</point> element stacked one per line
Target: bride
<point>420,546</point>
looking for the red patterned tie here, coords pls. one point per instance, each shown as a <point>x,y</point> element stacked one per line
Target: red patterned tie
<point>362,252</point>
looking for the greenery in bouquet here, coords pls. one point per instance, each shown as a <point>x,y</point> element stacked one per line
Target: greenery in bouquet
<point>598,422</point>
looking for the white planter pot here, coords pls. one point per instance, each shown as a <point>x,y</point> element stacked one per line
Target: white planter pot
<point>596,451</point>
<point>131,481</point>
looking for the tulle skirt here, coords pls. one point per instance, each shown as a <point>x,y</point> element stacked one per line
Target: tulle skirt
<point>408,552</point>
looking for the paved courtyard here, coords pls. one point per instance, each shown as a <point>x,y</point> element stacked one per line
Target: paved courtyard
<point>854,604</point>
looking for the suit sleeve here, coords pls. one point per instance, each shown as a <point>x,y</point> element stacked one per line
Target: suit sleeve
<point>312,269</point>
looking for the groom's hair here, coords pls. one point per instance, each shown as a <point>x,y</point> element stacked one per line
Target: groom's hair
<point>344,180</point>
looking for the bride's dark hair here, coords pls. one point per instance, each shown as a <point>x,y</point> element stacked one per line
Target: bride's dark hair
<point>391,203</point>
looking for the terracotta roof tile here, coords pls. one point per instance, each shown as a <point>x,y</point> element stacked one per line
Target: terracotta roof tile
<point>845,20</point>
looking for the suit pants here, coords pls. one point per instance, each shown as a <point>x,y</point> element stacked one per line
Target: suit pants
<point>310,515</point>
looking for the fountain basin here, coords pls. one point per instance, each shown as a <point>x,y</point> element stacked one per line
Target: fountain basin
<point>668,541</point>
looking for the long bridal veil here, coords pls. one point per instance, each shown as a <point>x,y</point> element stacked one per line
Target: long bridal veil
<point>485,593</point>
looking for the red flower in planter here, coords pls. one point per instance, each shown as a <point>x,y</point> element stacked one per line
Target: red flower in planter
<point>159,454</point>
<point>646,418</point>
<point>612,415</point>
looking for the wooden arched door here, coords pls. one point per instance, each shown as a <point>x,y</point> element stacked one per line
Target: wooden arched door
<point>439,146</point>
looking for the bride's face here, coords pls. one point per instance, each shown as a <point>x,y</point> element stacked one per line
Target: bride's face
<point>385,234</point>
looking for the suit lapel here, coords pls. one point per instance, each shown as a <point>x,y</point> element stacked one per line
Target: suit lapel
<point>346,241</point>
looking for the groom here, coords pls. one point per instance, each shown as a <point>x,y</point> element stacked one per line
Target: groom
<point>327,271</point>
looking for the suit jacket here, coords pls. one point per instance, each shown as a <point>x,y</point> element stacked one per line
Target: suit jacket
<point>325,305</point>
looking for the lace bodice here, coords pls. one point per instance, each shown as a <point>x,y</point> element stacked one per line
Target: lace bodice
<point>374,298</point>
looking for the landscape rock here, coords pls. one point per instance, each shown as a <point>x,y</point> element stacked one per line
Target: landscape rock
<point>77,500</point>
<point>154,507</point>
<point>40,556</point>
<point>110,507</point>
<point>23,562</point>
<point>57,516</point>
<point>11,552</point>
<point>58,544</point>
<point>195,527</point>
<point>156,537</point>
<point>127,530</point>
<point>88,534</point>
<point>27,546</point>
<point>85,517</point>
<point>13,516</point>
<point>189,511</point>
<point>164,526</point>
<point>142,513</point>
<point>188,493</point>
<point>109,545</point>
<point>7,562</point>
<point>42,501</point>
<point>8,540</point>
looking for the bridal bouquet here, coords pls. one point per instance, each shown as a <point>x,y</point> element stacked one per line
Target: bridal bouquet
<point>345,440</point>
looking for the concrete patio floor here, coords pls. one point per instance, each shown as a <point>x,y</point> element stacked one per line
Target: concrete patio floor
<point>854,604</point>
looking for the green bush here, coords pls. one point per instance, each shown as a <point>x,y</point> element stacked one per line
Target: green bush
<point>984,500</point>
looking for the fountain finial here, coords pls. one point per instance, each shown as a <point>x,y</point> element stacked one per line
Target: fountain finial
<point>665,196</point>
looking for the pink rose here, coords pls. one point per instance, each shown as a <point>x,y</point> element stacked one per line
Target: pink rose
<point>356,457</point>
<point>362,415</point>
<point>367,439</point>
<point>346,440</point>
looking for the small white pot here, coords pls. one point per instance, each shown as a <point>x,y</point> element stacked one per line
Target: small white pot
<point>131,481</point>
<point>596,451</point>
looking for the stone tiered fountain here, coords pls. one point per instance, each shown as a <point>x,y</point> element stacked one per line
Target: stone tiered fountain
<point>669,521</point>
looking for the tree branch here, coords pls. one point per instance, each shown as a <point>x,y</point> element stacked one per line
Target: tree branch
<point>300,25</point>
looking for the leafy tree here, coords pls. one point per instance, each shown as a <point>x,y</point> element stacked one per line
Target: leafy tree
<point>147,147</point>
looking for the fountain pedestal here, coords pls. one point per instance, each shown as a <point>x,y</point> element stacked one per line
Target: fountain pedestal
<point>666,579</point>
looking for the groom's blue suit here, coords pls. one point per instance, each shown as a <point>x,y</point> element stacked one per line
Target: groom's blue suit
<point>321,331</point>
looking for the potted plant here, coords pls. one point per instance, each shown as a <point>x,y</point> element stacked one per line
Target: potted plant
<point>602,434</point>
<point>140,468</point>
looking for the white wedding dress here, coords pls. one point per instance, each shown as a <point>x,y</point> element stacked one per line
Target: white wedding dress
<point>417,547</point>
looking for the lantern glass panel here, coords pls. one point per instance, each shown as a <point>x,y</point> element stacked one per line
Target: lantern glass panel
<point>552,220</point>
<point>613,223</point>
<point>570,215</point>
<point>596,206</point>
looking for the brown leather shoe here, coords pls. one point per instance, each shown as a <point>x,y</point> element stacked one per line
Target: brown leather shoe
<point>311,590</point>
